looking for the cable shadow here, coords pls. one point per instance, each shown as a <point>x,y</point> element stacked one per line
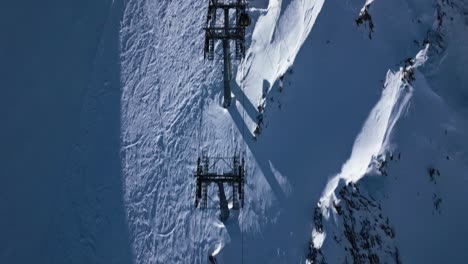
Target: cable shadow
<point>262,162</point>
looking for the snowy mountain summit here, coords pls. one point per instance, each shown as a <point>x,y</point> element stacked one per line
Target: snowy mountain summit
<point>352,116</point>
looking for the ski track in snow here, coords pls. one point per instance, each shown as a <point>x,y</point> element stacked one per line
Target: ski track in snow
<point>160,109</point>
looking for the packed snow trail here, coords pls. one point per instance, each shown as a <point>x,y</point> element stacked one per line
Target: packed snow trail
<point>162,99</point>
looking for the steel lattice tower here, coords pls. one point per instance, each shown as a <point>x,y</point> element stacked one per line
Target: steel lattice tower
<point>222,29</point>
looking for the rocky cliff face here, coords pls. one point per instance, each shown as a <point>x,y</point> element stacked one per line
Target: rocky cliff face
<point>362,233</point>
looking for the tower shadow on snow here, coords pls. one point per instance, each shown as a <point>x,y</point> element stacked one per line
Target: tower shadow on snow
<point>261,160</point>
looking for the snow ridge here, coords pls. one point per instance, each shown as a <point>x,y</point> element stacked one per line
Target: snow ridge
<point>276,40</point>
<point>374,138</point>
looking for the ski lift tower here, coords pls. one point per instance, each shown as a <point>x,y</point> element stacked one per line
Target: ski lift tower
<point>222,29</point>
<point>208,171</point>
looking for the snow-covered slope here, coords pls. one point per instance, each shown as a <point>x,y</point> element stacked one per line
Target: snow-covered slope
<point>352,116</point>
<point>407,212</point>
<point>343,122</point>
<point>61,198</point>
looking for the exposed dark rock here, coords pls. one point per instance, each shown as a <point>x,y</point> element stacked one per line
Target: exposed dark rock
<point>367,237</point>
<point>366,19</point>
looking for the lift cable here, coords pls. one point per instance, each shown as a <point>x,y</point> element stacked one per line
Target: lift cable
<point>244,154</point>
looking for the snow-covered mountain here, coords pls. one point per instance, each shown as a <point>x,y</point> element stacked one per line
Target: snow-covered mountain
<point>352,116</point>
<point>381,82</point>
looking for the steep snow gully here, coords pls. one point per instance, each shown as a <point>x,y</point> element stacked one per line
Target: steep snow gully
<point>316,74</point>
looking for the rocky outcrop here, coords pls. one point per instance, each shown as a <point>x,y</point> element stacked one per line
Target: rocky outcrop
<point>362,235</point>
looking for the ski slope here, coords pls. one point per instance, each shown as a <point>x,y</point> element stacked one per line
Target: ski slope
<point>342,101</point>
<point>351,115</point>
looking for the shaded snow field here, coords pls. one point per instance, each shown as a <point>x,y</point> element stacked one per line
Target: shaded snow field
<point>343,84</point>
